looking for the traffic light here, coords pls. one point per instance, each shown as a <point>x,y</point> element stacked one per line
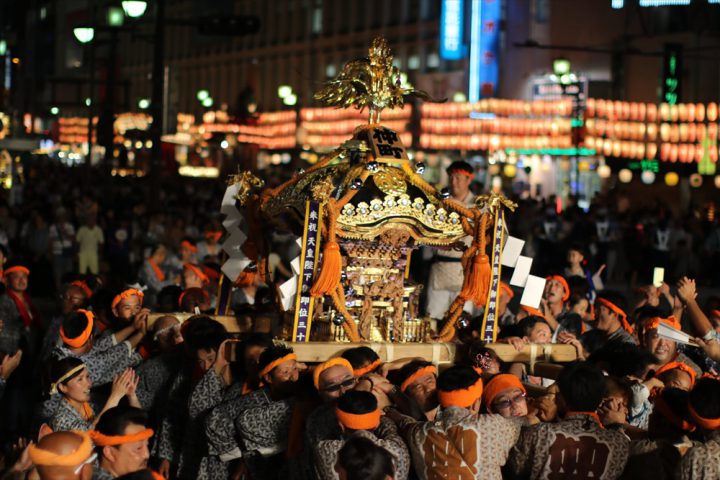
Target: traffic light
<point>233,26</point>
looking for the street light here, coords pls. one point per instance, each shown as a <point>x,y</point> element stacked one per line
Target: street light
<point>284,91</point>
<point>84,34</point>
<point>202,95</point>
<point>134,8</point>
<point>290,100</point>
<point>561,66</point>
<point>115,17</point>
<point>207,102</point>
<point>143,103</point>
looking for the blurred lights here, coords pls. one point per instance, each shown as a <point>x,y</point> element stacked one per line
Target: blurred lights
<point>207,102</point>
<point>696,180</point>
<point>647,177</point>
<point>134,8</point>
<point>717,181</point>
<point>84,34</point>
<point>625,175</point>
<point>671,179</point>
<point>54,110</point>
<point>604,171</point>
<point>143,103</point>
<point>284,91</point>
<point>202,95</point>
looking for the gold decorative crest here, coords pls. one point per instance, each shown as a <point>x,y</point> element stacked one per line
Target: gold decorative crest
<point>371,82</point>
<point>248,182</point>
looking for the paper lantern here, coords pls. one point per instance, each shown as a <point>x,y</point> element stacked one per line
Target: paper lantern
<point>712,112</point>
<point>674,113</point>
<point>682,112</point>
<point>691,132</point>
<point>652,131</point>
<point>683,132</point>
<point>600,108</point>
<point>690,112</point>
<point>642,110</point>
<point>625,110</point>
<point>664,112</point>
<point>616,148</point>
<point>651,150</point>
<point>652,112</point>
<point>590,108</point>
<point>634,111</point>
<point>625,175</point>
<point>683,153</point>
<point>671,179</point>
<point>700,112</point>
<point>673,153</point>
<point>665,132</point>
<point>647,177</point>
<point>696,180</point>
<point>717,181</point>
<point>665,152</point>
<point>674,133</point>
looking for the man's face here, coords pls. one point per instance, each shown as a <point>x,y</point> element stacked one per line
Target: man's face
<point>540,333</point>
<point>510,403</point>
<point>129,457</point>
<point>459,185</point>
<point>206,358</point>
<point>127,308</point>
<point>574,257</point>
<point>424,392</point>
<point>18,281</point>
<point>554,291</point>
<point>677,379</point>
<point>335,381</point>
<point>72,299</point>
<point>190,279</point>
<point>284,377</point>
<point>662,348</point>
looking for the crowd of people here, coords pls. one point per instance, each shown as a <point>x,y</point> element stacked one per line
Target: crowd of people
<point>116,383</point>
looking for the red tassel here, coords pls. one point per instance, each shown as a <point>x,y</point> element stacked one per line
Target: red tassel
<point>476,284</point>
<point>330,272</point>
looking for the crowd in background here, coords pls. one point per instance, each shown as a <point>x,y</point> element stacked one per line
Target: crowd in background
<point>107,381</point>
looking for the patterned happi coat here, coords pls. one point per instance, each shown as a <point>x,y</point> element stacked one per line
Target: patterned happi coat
<point>576,447</point>
<point>385,436</point>
<point>460,444</point>
<point>703,461</point>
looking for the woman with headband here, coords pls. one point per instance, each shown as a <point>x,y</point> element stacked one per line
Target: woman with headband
<point>71,380</point>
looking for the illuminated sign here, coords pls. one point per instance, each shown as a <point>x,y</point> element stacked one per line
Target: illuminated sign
<point>484,49</point>
<point>618,4</point>
<point>451,30</point>
<point>645,166</point>
<point>672,71</point>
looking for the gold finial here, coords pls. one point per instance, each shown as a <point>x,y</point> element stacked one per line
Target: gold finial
<point>322,190</point>
<point>248,182</point>
<point>494,200</point>
<point>370,82</point>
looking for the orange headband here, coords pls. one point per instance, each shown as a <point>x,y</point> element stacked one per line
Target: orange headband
<point>126,294</point>
<point>16,269</point>
<point>533,311</point>
<point>463,398</point>
<point>182,295</point>
<point>189,246</point>
<point>706,423</point>
<point>214,234</point>
<point>715,313</point>
<point>654,322</point>
<point>415,376</point>
<point>508,290</point>
<point>269,367</point>
<point>324,366</point>
<point>678,366</point>
<point>563,282</point>
<point>367,368</point>
<point>46,458</point>
<point>461,172</point>
<point>83,286</point>
<point>201,275</point>
<point>81,339</point>
<point>102,440</point>
<point>664,409</point>
<point>623,316</point>
<point>494,387</point>
<point>359,421</point>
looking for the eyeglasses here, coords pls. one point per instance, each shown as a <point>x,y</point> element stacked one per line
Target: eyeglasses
<point>90,459</point>
<point>350,382</point>
<point>505,404</point>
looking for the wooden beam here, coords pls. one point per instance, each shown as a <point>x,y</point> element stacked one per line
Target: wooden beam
<point>439,353</point>
<point>532,353</point>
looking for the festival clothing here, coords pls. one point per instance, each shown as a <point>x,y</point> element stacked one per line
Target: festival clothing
<point>702,462</point>
<point>253,427</point>
<point>104,361</point>
<point>67,418</point>
<point>446,276</point>
<point>385,436</point>
<point>194,459</point>
<point>156,375</point>
<point>460,444</point>
<point>576,444</point>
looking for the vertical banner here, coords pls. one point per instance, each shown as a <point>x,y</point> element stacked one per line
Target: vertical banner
<point>484,69</point>
<point>223,297</point>
<point>308,264</point>
<point>489,326</point>
<point>452,23</point>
